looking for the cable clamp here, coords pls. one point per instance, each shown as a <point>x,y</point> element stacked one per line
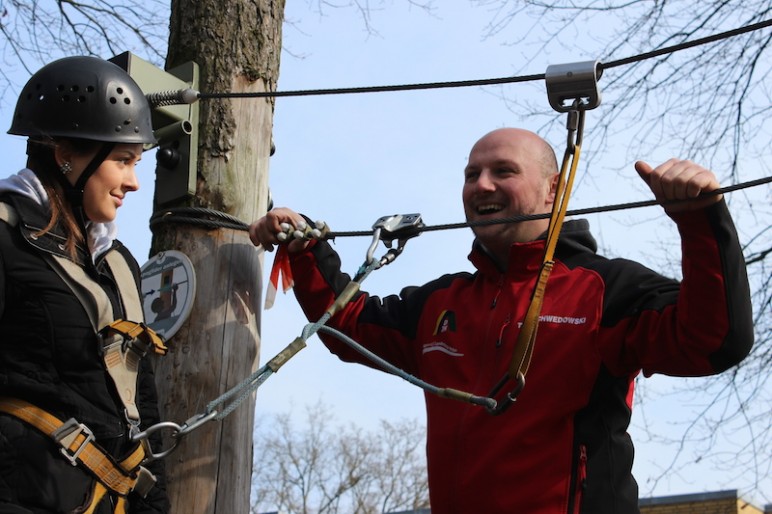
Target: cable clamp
<point>571,83</point>
<point>303,231</point>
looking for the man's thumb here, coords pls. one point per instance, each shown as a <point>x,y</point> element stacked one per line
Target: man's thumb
<point>644,170</point>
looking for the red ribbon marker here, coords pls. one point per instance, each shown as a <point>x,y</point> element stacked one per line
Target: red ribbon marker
<point>281,266</point>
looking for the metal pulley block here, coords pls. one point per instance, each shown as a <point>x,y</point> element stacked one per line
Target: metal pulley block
<point>573,85</point>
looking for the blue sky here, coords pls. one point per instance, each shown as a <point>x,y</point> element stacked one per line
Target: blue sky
<point>350,159</point>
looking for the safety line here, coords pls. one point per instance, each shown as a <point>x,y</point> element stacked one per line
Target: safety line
<point>573,212</point>
<point>688,44</point>
<point>214,219</point>
<point>487,82</point>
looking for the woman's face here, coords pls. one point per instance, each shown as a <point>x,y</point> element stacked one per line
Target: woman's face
<point>106,188</point>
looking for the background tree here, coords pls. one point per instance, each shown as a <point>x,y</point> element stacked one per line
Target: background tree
<point>34,32</point>
<point>327,468</point>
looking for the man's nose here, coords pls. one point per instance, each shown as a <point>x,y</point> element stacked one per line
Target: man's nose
<point>485,181</point>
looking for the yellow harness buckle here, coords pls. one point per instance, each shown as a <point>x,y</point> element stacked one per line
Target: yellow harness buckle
<point>138,332</point>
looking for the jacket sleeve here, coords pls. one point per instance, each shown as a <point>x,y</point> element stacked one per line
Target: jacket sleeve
<point>385,326</point>
<point>700,326</point>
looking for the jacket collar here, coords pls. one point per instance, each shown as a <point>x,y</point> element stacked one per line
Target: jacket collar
<point>34,211</point>
<point>526,258</point>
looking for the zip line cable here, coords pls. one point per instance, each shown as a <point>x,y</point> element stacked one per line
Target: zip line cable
<point>214,219</point>
<point>232,398</point>
<point>492,81</point>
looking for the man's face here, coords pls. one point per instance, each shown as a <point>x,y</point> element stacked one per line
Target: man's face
<point>506,177</point>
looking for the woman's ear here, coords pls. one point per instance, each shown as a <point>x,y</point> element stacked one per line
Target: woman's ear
<point>63,152</point>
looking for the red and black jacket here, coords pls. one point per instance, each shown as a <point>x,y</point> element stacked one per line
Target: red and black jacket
<point>563,446</point>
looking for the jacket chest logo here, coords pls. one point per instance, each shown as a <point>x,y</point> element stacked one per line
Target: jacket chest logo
<point>446,322</point>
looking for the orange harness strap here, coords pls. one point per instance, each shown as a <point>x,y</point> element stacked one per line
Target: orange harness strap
<point>77,445</point>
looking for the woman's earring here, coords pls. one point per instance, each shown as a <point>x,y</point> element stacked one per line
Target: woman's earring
<point>65,168</point>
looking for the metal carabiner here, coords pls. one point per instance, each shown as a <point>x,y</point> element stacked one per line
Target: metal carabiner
<point>509,398</point>
<point>195,422</point>
<point>388,228</point>
<point>373,245</point>
<point>177,433</point>
<point>144,438</point>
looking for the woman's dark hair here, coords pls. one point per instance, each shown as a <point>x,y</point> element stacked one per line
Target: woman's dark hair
<point>41,160</point>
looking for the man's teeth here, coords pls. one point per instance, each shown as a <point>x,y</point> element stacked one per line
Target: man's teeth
<point>489,208</point>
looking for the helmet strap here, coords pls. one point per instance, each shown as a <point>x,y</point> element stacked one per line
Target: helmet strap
<point>75,193</point>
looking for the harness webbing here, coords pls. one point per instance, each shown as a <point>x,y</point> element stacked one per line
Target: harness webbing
<point>526,339</point>
<point>77,445</point>
<point>121,359</point>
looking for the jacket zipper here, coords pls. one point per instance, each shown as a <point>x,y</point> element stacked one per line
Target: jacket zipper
<point>581,479</point>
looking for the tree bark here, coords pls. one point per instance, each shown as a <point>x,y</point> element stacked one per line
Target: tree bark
<point>237,45</point>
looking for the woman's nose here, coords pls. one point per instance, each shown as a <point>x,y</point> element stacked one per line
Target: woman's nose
<point>131,182</point>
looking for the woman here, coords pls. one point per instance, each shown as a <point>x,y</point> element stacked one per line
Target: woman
<point>74,386</point>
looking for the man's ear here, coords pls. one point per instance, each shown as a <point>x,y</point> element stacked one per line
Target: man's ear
<point>553,184</point>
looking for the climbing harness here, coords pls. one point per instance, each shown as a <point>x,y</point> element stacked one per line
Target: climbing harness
<point>123,344</point>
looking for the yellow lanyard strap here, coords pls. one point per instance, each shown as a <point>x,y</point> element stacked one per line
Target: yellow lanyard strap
<point>521,357</point>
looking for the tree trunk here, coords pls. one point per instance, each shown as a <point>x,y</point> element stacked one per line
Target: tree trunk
<point>237,44</point>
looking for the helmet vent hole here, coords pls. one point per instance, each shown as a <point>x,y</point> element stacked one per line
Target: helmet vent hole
<point>127,101</point>
<point>60,87</point>
<point>81,99</point>
<point>113,100</point>
<point>90,89</point>
<point>65,98</point>
<point>119,90</point>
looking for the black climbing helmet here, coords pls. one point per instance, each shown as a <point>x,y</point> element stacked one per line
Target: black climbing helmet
<point>85,98</point>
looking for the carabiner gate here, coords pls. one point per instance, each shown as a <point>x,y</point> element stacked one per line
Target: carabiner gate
<point>510,398</point>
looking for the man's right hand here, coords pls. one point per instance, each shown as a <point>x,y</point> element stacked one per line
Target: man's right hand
<point>265,231</point>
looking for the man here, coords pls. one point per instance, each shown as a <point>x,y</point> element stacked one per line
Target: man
<point>563,446</point>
